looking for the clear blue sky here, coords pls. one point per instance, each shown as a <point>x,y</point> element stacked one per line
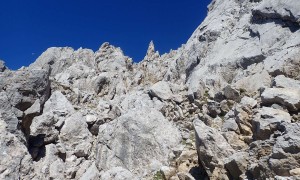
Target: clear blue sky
<point>29,27</point>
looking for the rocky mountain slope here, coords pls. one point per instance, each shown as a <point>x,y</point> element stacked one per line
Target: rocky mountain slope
<point>226,105</point>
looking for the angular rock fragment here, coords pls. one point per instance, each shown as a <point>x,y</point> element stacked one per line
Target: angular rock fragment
<point>161,90</point>
<point>212,149</point>
<point>283,82</point>
<point>231,93</point>
<point>237,164</point>
<point>287,97</point>
<point>267,121</point>
<point>286,152</point>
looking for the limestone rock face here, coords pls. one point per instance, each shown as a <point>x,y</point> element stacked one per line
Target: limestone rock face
<point>136,141</point>
<point>282,10</point>
<point>26,86</point>
<point>12,153</point>
<point>225,105</point>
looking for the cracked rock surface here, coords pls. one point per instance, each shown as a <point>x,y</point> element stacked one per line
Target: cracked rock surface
<point>225,105</point>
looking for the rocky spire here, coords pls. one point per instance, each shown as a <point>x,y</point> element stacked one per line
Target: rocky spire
<point>151,53</point>
<point>2,66</point>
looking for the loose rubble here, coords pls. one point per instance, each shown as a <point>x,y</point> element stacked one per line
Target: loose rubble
<point>225,105</point>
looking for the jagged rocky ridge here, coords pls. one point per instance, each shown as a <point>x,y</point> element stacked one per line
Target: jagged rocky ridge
<point>226,105</point>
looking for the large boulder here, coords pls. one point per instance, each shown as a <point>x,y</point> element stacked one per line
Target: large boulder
<point>161,90</point>
<point>75,136</point>
<point>267,121</point>
<point>26,86</point>
<point>254,81</point>
<point>212,149</point>
<point>136,141</point>
<point>283,82</point>
<point>56,109</point>
<point>58,104</point>
<point>286,151</point>
<point>287,97</point>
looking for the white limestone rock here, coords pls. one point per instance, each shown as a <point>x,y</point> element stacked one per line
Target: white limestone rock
<point>134,140</point>
<point>45,125</point>
<point>161,90</point>
<point>283,9</point>
<point>34,109</point>
<point>12,152</point>
<point>110,58</point>
<point>92,173</point>
<point>58,104</point>
<point>76,136</point>
<point>287,97</point>
<point>151,53</point>
<point>212,149</point>
<point>285,152</point>
<point>117,173</point>
<point>283,82</point>
<point>240,47</point>
<point>267,121</point>
<point>247,101</point>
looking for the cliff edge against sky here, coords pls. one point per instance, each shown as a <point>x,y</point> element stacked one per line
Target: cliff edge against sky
<point>225,105</point>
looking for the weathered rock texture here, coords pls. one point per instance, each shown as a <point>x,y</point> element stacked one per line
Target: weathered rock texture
<point>225,105</point>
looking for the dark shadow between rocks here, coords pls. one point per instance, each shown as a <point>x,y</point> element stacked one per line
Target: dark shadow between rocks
<point>199,173</point>
<point>36,147</point>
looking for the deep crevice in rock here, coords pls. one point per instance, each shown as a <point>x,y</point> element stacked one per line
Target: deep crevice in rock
<point>36,147</point>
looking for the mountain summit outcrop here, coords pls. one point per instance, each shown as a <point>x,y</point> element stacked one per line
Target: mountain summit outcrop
<point>225,105</point>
